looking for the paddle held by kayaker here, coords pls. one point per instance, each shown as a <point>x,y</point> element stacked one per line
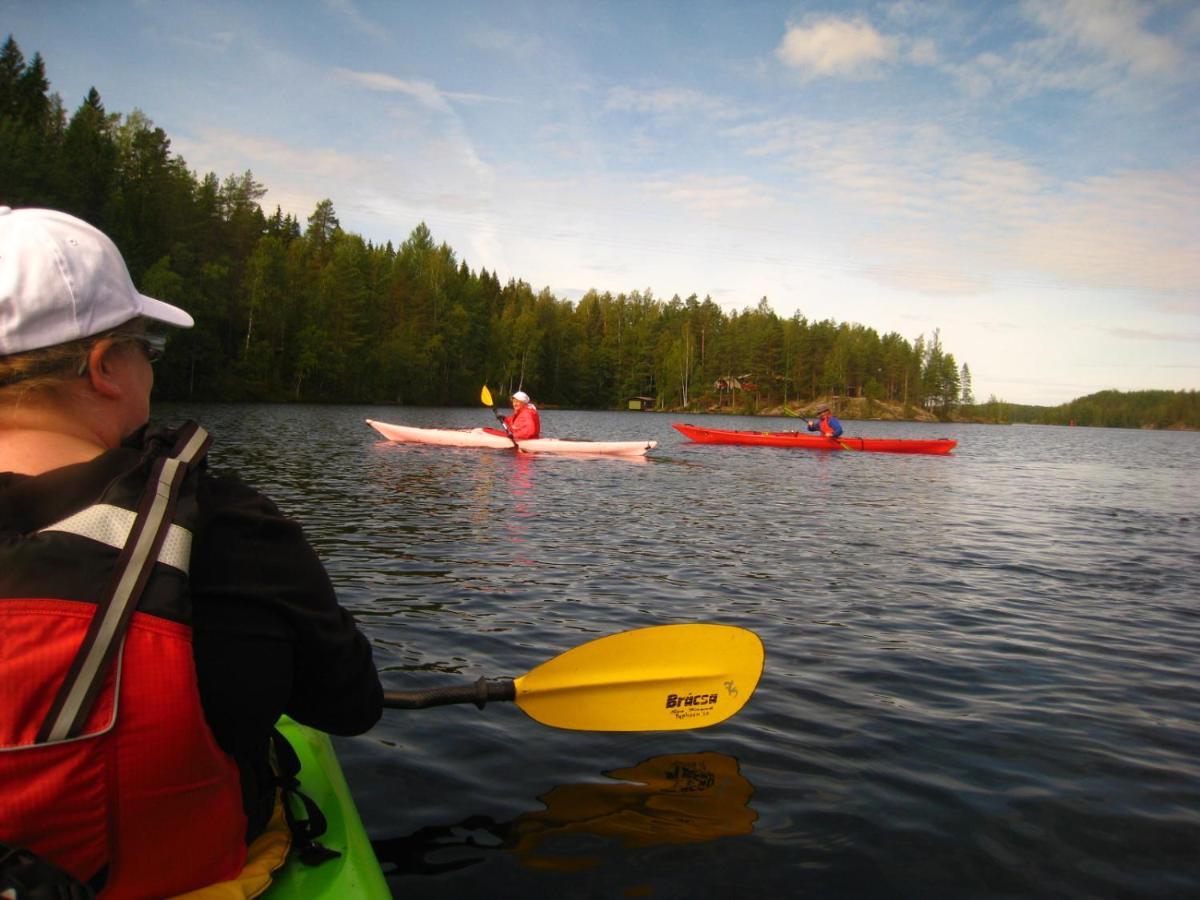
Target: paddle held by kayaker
<point>157,617</point>
<point>826,423</point>
<point>524,424</point>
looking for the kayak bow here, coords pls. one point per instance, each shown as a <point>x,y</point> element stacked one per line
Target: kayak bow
<point>356,872</point>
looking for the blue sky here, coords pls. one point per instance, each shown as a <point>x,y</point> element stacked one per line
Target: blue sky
<point>1023,176</point>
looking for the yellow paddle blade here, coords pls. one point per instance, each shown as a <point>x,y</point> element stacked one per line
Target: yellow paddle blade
<point>665,678</point>
<point>485,397</point>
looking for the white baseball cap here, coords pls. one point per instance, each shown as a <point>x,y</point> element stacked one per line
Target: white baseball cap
<point>62,280</point>
<point>522,396</point>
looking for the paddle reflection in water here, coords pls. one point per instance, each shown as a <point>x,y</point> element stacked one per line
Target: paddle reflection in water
<point>685,798</point>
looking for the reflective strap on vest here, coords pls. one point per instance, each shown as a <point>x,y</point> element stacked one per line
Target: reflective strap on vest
<point>141,551</point>
<point>112,525</point>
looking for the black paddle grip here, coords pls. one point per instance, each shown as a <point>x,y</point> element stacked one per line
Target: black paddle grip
<point>478,693</point>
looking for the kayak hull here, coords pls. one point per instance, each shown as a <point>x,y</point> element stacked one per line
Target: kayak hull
<point>356,873</point>
<point>804,441</point>
<point>477,437</point>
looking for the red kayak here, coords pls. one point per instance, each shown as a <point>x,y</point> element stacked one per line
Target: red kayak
<point>806,441</point>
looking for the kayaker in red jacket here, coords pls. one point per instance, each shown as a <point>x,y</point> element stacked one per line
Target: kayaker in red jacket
<point>524,423</point>
<point>827,424</point>
<point>144,773</point>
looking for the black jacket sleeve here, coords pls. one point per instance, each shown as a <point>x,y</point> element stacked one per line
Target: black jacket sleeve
<point>270,635</point>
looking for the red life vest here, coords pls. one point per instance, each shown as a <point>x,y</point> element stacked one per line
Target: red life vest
<point>525,424</point>
<point>110,768</point>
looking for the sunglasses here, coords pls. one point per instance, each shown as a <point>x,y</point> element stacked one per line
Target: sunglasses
<point>153,345</point>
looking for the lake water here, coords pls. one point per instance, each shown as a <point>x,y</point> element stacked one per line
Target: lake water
<point>982,672</point>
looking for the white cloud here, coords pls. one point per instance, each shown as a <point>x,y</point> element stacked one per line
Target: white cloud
<point>426,93</point>
<point>1092,47</point>
<point>349,12</point>
<point>223,151</point>
<point>1134,230</point>
<point>922,52</point>
<point>1113,29</point>
<point>423,92</point>
<point>710,194</point>
<point>832,46</point>
<point>523,46</point>
<point>1136,334</point>
<point>915,199</point>
<point>217,42</point>
<point>670,101</point>
<point>890,169</point>
<point>366,183</point>
<point>932,278</point>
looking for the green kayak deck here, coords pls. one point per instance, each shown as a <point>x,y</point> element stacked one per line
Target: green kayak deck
<point>356,873</point>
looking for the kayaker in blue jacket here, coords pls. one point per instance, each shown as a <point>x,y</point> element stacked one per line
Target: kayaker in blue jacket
<point>156,786</point>
<point>827,423</point>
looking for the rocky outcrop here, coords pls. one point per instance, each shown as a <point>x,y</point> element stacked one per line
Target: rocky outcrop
<point>855,408</point>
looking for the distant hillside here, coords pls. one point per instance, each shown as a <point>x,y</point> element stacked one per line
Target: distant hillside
<point>1174,410</point>
<point>1169,410</point>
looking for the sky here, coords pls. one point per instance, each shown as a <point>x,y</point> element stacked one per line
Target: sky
<point>1021,177</point>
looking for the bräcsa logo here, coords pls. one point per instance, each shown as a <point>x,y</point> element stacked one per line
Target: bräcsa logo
<point>675,701</point>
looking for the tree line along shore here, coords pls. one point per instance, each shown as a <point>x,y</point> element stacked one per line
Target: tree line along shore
<point>289,311</point>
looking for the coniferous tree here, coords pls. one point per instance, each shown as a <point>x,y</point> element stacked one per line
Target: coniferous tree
<point>87,166</point>
<point>30,129</point>
<point>968,396</point>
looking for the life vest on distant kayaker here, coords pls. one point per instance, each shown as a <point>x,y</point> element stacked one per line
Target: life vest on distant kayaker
<point>524,424</point>
<point>827,424</point>
<point>128,790</point>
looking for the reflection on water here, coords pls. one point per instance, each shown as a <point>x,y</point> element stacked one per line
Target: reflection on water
<point>980,672</point>
<point>674,799</point>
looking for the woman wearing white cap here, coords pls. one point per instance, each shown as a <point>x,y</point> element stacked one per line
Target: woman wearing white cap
<point>156,618</point>
<point>524,424</point>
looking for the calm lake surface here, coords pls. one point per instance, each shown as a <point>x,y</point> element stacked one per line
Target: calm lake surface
<point>982,674</point>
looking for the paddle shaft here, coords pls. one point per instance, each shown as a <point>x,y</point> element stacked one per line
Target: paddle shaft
<point>479,693</point>
<point>512,437</point>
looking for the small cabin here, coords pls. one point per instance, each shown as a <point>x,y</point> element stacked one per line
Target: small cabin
<point>641,404</point>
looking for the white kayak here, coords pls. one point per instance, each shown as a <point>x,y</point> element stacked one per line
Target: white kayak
<point>478,437</point>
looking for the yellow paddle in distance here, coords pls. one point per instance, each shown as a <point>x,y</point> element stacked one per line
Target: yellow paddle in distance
<point>662,678</point>
<point>485,397</point>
